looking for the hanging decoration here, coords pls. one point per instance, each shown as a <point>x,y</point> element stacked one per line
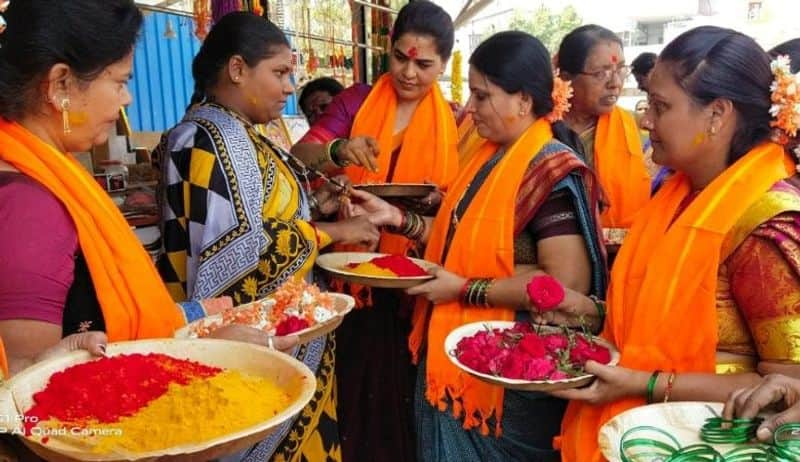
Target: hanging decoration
<point>455,78</point>
<point>202,18</point>
<point>220,8</point>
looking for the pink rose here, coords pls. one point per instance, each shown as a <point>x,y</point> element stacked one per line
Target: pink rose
<point>290,325</point>
<point>533,345</point>
<point>545,292</point>
<point>559,375</point>
<point>555,342</point>
<point>538,368</point>
<point>585,350</point>
<point>514,367</point>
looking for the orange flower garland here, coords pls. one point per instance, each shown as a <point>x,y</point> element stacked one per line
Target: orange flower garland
<point>202,18</point>
<point>562,92</point>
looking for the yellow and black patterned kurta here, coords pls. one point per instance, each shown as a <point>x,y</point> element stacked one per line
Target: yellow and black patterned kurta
<point>236,222</point>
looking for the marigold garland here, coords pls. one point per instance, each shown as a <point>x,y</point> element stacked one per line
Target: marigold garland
<point>202,18</point>
<point>562,92</point>
<point>455,78</point>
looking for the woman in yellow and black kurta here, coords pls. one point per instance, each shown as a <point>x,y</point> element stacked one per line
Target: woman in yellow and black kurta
<point>235,209</point>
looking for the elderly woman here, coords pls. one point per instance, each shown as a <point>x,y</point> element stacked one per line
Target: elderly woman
<point>591,57</point>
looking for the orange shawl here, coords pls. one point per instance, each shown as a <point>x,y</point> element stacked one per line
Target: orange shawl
<point>488,225</point>
<point>428,151</point>
<point>619,163</point>
<point>665,278</point>
<point>133,299</point>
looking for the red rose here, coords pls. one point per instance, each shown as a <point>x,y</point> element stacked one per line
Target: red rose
<point>514,367</point>
<point>545,292</point>
<point>585,350</point>
<point>290,325</point>
<point>559,375</point>
<point>555,342</point>
<point>533,345</point>
<point>538,368</point>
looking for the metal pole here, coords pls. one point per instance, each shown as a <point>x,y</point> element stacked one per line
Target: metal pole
<point>377,7</point>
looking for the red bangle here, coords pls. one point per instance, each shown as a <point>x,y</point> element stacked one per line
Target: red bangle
<point>316,234</point>
<point>670,383</point>
<point>462,294</point>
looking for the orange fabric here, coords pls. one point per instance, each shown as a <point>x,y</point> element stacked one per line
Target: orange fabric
<point>3,362</point>
<point>619,163</point>
<point>468,140</point>
<point>133,299</point>
<point>488,225</point>
<point>665,276</point>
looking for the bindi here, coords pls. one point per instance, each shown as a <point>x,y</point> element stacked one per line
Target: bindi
<point>412,52</point>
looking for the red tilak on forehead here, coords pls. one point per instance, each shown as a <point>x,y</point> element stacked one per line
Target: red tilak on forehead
<point>614,59</point>
<point>412,52</point>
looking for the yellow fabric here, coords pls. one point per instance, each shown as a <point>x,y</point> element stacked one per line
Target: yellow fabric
<point>488,225</point>
<point>665,276</point>
<point>619,163</point>
<point>133,299</point>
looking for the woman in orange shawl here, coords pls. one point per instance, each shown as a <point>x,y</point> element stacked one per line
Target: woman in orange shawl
<point>703,295</point>
<point>68,258</point>
<point>401,130</point>
<point>523,200</point>
<point>591,58</point>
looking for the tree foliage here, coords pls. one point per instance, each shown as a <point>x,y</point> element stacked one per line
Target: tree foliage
<point>547,25</point>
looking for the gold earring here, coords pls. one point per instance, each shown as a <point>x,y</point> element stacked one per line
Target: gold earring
<point>713,130</point>
<point>65,115</point>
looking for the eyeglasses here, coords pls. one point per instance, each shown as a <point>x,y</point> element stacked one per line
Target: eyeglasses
<point>604,75</point>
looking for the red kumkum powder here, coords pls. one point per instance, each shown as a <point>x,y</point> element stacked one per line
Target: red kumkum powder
<point>109,388</point>
<point>399,265</point>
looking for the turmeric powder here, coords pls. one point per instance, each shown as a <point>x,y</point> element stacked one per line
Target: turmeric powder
<point>369,269</point>
<point>199,411</point>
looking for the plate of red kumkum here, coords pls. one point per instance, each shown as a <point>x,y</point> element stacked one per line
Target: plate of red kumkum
<point>525,356</point>
<point>165,399</point>
<point>376,269</point>
<point>296,308</point>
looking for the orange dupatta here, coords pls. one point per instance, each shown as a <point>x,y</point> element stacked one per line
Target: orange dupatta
<point>488,225</point>
<point>428,151</point>
<point>133,299</point>
<point>665,276</point>
<point>619,163</point>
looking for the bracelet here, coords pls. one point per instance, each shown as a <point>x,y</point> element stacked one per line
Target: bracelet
<point>476,292</point>
<point>601,309</point>
<point>332,150</point>
<point>313,203</point>
<point>670,383</point>
<point>651,386</point>
<point>412,226</point>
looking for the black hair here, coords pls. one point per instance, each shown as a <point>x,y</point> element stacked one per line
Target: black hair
<point>790,48</point>
<point>326,84</point>
<point>426,18</point>
<point>576,46</point>
<point>711,62</point>
<point>643,63</point>
<point>239,33</point>
<point>86,35</point>
<point>518,62</point>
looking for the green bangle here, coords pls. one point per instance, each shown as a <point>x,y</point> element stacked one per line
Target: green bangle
<point>333,152</point>
<point>651,386</point>
<point>601,309</point>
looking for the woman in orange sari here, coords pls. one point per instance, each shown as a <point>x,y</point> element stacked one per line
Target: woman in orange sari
<point>703,295</point>
<point>524,202</point>
<point>401,130</point>
<point>591,57</point>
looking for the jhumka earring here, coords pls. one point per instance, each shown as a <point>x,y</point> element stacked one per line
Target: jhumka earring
<point>65,115</point>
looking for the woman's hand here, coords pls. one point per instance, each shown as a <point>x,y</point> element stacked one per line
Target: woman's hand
<point>248,334</point>
<point>94,342</point>
<point>361,150</point>
<point>328,195</point>
<point>425,204</point>
<point>611,384</point>
<point>379,212</point>
<point>445,287</point>
<point>356,230</point>
<point>774,391</point>
<point>573,311</point>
